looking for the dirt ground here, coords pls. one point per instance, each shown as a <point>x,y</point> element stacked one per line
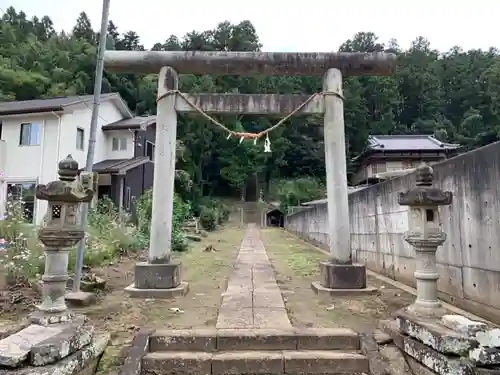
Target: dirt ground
<point>207,274</point>
<point>296,266</point>
<point>121,316</point>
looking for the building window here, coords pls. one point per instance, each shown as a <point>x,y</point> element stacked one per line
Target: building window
<point>119,144</point>
<point>128,198</point>
<point>21,196</point>
<point>30,134</point>
<point>80,138</point>
<point>150,150</point>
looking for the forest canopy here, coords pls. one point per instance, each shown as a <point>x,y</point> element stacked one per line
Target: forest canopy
<point>453,94</point>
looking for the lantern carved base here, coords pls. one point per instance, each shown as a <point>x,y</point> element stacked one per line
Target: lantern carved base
<point>336,279</point>
<point>427,309</point>
<point>46,319</point>
<point>158,281</point>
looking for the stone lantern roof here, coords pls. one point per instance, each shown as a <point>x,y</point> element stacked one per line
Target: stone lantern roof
<point>66,189</point>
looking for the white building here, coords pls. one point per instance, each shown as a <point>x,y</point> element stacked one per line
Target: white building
<point>36,134</point>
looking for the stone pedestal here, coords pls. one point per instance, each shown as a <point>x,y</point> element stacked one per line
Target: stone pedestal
<point>342,279</point>
<point>158,281</point>
<point>340,276</point>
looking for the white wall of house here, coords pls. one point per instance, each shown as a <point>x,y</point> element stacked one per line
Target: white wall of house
<point>37,163</point>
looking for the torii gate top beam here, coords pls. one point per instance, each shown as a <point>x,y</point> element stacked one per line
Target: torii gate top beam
<point>251,63</point>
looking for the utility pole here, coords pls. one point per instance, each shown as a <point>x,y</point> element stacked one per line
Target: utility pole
<point>92,137</point>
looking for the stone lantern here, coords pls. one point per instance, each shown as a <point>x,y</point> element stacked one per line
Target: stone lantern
<point>61,231</point>
<point>425,235</point>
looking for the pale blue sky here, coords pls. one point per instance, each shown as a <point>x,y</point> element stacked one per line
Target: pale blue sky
<point>287,25</point>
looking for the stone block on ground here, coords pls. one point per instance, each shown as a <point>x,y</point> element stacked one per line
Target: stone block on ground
<point>463,325</point>
<point>138,348</point>
<point>485,356</point>
<point>8,327</point>
<point>342,276</point>
<point>89,283</point>
<point>15,349</point>
<point>381,338</point>
<point>82,362</point>
<point>432,333</point>
<point>439,363</point>
<point>157,276</point>
<point>489,338</point>
<point>72,338</point>
<point>80,299</point>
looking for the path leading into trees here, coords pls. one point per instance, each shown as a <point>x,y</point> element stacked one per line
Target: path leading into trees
<point>253,298</point>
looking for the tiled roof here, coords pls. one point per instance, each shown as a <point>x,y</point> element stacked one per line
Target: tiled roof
<point>131,123</point>
<point>407,143</point>
<point>44,105</point>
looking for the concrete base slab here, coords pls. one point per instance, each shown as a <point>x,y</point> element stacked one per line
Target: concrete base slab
<point>181,290</point>
<point>157,276</point>
<point>322,291</point>
<point>342,276</point>
<point>80,299</point>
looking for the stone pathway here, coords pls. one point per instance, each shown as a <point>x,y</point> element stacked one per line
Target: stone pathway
<point>253,298</point>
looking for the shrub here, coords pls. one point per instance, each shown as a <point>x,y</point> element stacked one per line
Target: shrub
<point>22,257</point>
<point>181,212</point>
<point>109,235</point>
<point>213,212</point>
<point>209,218</point>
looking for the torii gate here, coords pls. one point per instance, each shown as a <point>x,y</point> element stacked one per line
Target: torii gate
<point>160,277</point>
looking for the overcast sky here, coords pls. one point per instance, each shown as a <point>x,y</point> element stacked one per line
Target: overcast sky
<point>288,25</point>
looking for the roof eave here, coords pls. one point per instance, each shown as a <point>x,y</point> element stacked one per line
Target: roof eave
<point>29,111</point>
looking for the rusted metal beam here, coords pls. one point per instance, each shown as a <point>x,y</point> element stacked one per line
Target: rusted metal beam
<point>256,104</point>
<point>251,63</point>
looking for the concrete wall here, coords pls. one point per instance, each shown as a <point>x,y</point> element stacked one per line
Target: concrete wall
<point>469,260</point>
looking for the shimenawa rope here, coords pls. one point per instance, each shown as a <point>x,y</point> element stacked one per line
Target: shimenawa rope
<point>247,135</point>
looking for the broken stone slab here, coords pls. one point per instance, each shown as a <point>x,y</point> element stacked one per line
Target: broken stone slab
<point>434,360</point>
<point>83,361</point>
<point>15,349</point>
<point>68,341</point>
<point>489,339</point>
<point>463,325</point>
<point>381,338</point>
<point>193,237</point>
<point>430,332</point>
<point>95,284</point>
<point>488,371</point>
<point>485,356</point>
<point>8,327</point>
<point>80,299</point>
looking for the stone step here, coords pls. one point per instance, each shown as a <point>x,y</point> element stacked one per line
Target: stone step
<point>213,340</point>
<point>255,362</point>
